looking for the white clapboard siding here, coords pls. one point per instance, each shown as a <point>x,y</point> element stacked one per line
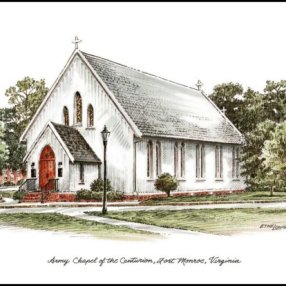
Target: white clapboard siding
<point>189,182</point>
<point>79,78</point>
<point>90,174</point>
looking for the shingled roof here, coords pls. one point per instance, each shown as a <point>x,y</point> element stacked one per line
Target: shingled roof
<point>76,144</point>
<point>163,108</point>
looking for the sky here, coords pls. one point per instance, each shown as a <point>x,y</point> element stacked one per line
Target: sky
<point>183,42</point>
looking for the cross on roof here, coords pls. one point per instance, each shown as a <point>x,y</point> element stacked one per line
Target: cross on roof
<point>223,110</point>
<point>199,85</point>
<point>76,41</point>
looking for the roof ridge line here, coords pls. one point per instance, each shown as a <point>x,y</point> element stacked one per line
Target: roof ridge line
<point>146,73</point>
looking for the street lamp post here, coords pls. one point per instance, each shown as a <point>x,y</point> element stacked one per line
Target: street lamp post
<point>105,134</point>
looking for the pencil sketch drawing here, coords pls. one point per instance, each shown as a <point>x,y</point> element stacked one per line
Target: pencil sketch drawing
<point>106,135</point>
<point>156,126</point>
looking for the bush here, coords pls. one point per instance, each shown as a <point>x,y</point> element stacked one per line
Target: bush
<point>8,184</point>
<point>18,195</point>
<point>84,194</point>
<point>115,196</point>
<point>166,183</point>
<point>98,186</point>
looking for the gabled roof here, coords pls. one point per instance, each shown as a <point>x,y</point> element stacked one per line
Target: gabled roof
<point>75,53</point>
<point>163,108</point>
<point>76,144</point>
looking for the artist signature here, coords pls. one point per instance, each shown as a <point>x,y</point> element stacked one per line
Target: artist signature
<point>273,226</point>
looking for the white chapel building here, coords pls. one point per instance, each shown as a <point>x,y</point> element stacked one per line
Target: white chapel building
<point>156,126</point>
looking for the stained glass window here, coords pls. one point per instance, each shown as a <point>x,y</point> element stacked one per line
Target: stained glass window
<point>78,103</point>
<point>66,116</point>
<point>90,116</point>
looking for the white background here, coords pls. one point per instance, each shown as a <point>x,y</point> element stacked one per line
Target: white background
<point>184,42</point>
<point>24,256</point>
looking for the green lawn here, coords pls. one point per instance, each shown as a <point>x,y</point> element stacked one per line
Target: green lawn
<point>216,221</point>
<point>7,194</point>
<point>59,222</point>
<point>245,196</point>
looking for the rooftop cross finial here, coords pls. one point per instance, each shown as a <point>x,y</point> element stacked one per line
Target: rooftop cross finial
<point>223,110</point>
<point>199,85</point>
<point>76,41</point>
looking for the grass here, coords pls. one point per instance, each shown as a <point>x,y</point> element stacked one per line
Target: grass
<point>238,197</point>
<point>59,222</point>
<point>7,194</point>
<point>215,221</point>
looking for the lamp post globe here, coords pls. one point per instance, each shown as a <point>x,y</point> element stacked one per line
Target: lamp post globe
<point>105,134</point>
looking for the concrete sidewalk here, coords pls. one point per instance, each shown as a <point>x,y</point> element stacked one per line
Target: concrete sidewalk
<point>133,225</point>
<point>135,205</point>
<point>80,213</point>
<point>14,204</point>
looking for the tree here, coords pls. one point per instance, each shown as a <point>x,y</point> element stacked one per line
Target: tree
<point>252,111</point>
<point>275,100</point>
<point>11,137</point>
<point>3,148</point>
<point>26,96</point>
<point>252,167</point>
<point>229,96</point>
<point>166,183</point>
<point>274,159</point>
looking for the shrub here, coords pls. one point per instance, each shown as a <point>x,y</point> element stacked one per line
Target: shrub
<point>8,184</point>
<point>18,195</point>
<point>98,186</point>
<point>84,194</point>
<point>115,196</point>
<point>166,183</point>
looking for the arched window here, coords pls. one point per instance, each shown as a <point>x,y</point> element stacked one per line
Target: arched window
<point>179,160</point>
<point>150,159</point>
<point>182,153</point>
<point>200,161</point>
<point>176,157</point>
<point>66,116</point>
<point>235,162</point>
<point>78,108</point>
<point>218,162</point>
<point>90,116</point>
<point>158,159</point>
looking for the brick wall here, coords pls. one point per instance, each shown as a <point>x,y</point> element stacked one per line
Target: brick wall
<point>12,176</point>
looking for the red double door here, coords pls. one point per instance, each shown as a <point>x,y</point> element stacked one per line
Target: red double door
<point>47,168</point>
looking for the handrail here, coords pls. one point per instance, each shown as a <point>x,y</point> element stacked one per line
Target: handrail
<point>46,191</point>
<point>29,185</point>
<point>21,185</point>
